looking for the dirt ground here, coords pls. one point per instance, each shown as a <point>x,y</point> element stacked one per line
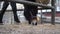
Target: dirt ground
<point>30,29</point>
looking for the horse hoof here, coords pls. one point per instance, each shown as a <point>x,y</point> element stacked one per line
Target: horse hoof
<point>34,23</point>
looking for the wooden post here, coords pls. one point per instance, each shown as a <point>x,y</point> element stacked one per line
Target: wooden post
<point>53,12</point>
<point>41,16</point>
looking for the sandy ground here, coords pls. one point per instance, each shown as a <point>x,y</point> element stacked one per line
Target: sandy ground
<point>30,29</point>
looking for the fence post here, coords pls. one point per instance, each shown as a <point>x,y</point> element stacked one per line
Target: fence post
<point>53,12</point>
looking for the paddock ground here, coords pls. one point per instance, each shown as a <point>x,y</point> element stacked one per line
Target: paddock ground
<point>30,29</point>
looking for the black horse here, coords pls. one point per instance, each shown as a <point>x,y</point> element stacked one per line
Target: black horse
<point>5,5</point>
<point>30,12</point>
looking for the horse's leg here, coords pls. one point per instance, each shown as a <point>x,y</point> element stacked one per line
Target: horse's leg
<point>3,11</point>
<point>13,4</point>
<point>27,13</point>
<point>30,10</point>
<point>34,15</point>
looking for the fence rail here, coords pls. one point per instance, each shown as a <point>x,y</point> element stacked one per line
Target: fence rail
<point>29,3</point>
